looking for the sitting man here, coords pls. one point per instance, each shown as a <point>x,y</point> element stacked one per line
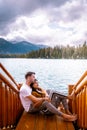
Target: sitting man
<point>35,104</point>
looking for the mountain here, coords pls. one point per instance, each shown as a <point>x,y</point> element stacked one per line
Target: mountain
<point>7,47</point>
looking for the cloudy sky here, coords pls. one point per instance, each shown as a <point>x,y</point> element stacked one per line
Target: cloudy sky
<point>50,22</point>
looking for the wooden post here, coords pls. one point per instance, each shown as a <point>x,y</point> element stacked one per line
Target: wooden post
<point>80,109</point>
<point>70,89</point>
<point>86,109</point>
<point>12,120</point>
<point>1,125</point>
<point>4,111</point>
<point>83,108</point>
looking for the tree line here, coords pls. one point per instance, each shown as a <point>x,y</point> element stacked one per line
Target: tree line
<point>57,52</point>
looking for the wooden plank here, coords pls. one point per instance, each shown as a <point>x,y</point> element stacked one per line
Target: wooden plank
<point>27,122</point>
<point>6,129</point>
<point>40,122</point>
<point>43,122</point>
<point>51,122</point>
<point>70,126</point>
<point>61,124</point>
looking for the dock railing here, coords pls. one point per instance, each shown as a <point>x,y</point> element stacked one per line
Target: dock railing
<point>79,104</point>
<point>10,105</point>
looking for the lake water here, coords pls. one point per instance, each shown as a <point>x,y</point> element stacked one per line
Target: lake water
<point>53,74</point>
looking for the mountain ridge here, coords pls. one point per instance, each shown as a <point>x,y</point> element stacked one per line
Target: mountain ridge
<point>7,47</point>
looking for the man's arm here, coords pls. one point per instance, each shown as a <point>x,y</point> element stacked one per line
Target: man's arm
<point>38,101</point>
<point>34,99</point>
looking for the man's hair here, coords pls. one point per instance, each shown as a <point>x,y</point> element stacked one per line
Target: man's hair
<point>29,74</point>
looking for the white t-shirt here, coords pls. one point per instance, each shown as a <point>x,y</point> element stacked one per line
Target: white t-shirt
<point>24,92</point>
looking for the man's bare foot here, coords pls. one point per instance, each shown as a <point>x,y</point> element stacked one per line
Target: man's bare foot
<point>69,117</point>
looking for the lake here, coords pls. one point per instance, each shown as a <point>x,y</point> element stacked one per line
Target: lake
<point>53,74</point>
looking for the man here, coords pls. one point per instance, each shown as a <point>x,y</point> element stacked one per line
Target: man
<point>30,102</point>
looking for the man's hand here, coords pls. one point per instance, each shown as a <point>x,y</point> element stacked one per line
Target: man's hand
<point>38,103</point>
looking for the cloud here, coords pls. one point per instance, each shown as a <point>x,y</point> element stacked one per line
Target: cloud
<point>11,9</point>
<point>47,22</point>
<point>69,12</point>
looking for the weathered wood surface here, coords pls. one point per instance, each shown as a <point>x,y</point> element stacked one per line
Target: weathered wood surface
<point>43,122</point>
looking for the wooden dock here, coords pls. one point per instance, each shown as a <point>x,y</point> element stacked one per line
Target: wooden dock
<point>43,122</point>
<point>12,115</point>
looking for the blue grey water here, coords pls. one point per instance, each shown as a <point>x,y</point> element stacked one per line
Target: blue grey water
<point>53,74</point>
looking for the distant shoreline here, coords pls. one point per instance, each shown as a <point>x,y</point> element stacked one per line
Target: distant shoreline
<point>57,52</point>
<point>43,58</point>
